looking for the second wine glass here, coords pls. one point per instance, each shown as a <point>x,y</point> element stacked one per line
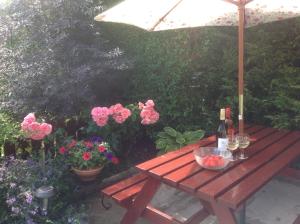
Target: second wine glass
<point>232,146</point>
<point>244,141</point>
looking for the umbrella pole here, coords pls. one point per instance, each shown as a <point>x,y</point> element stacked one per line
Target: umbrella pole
<point>241,7</point>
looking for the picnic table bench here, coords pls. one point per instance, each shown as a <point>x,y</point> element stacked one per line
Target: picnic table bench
<point>220,192</point>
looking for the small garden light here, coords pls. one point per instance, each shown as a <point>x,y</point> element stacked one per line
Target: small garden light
<point>44,192</point>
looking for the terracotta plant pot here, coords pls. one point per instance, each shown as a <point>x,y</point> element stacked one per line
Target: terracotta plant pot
<point>87,175</point>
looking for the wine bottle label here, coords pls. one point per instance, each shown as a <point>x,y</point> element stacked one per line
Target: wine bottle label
<point>222,143</point>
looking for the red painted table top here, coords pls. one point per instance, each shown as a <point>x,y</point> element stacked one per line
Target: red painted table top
<point>270,151</point>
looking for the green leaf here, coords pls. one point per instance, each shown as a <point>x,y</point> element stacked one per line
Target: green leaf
<point>172,147</point>
<point>163,135</point>
<point>180,139</point>
<point>193,136</point>
<point>161,144</point>
<point>170,131</point>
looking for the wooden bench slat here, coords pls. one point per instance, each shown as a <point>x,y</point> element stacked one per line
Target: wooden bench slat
<point>128,193</point>
<point>200,179</point>
<point>232,177</point>
<point>148,165</point>
<point>251,184</point>
<point>158,217</point>
<point>115,188</point>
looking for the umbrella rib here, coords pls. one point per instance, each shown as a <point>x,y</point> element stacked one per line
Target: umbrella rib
<point>238,2</point>
<point>248,1</point>
<point>164,16</point>
<point>232,2</point>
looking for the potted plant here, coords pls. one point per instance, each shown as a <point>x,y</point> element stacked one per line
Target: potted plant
<point>87,157</point>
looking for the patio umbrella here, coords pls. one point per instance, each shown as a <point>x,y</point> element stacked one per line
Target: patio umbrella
<point>157,15</point>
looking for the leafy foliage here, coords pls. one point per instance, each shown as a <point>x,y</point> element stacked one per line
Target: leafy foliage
<point>122,137</point>
<point>185,71</point>
<point>273,74</point>
<point>191,73</point>
<point>53,58</point>
<point>87,154</point>
<point>19,180</point>
<point>169,139</point>
<point>9,129</point>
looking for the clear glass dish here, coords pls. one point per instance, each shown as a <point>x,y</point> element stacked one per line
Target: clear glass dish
<point>212,158</point>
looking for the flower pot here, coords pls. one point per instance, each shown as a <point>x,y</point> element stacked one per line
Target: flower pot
<point>87,175</point>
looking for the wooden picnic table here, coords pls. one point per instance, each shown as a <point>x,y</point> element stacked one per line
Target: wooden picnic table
<point>220,192</point>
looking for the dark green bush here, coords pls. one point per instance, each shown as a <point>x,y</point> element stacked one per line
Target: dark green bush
<point>54,60</point>
<point>192,73</point>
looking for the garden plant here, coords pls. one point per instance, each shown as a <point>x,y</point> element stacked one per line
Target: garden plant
<point>55,60</point>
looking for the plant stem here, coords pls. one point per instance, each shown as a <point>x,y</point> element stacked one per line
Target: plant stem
<point>43,155</point>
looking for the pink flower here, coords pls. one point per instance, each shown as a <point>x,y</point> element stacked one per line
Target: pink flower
<point>116,108</point>
<point>100,115</point>
<point>37,136</point>
<point>27,120</point>
<point>150,103</point>
<point>30,118</point>
<point>71,144</point>
<point>46,128</point>
<point>101,148</point>
<point>33,129</point>
<point>24,125</point>
<point>149,117</point>
<point>88,144</point>
<point>86,156</point>
<point>62,150</point>
<point>148,114</point>
<point>115,160</point>
<point>119,113</point>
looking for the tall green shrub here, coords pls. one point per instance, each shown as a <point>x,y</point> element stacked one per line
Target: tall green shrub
<point>53,59</point>
<point>192,73</point>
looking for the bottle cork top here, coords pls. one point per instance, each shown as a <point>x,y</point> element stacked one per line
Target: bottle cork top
<point>222,114</point>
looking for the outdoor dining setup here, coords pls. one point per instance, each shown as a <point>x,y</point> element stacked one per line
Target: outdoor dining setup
<point>221,190</point>
<point>224,170</point>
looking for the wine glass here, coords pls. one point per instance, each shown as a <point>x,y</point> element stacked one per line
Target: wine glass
<point>244,141</point>
<point>232,146</point>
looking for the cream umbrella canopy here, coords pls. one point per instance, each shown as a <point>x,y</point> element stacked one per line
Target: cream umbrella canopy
<point>157,15</point>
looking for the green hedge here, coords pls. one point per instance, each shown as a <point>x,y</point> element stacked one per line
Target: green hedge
<point>191,73</point>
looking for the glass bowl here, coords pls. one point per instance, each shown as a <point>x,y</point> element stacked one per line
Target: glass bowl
<point>212,158</point>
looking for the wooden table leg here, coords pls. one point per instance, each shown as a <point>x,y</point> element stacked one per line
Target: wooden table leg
<point>141,201</point>
<point>224,215</point>
<point>207,206</point>
<point>242,215</point>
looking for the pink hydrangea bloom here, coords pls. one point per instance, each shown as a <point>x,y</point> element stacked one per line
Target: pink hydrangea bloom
<point>46,128</point>
<point>148,114</point>
<point>120,113</point>
<point>150,103</point>
<point>100,115</point>
<point>30,118</point>
<point>33,129</point>
<point>37,136</point>
<point>27,120</point>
